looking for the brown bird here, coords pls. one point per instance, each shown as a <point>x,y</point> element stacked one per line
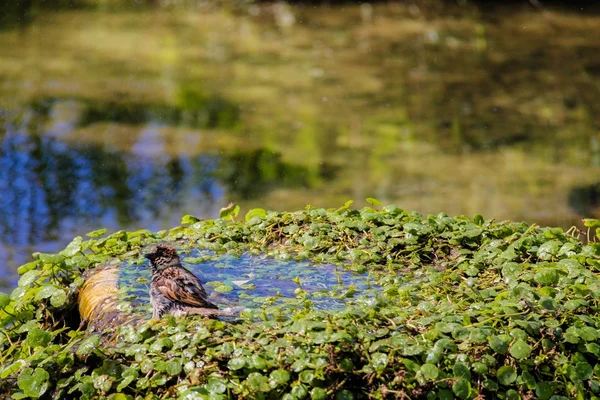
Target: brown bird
<point>173,289</point>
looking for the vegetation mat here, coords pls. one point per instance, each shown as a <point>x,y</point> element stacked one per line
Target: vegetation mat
<point>452,308</point>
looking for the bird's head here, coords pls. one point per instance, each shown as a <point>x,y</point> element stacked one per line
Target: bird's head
<point>161,256</point>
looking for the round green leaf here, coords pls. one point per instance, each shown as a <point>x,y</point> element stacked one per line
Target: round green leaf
<point>46,291</point>
<point>258,382</point>
<point>379,361</point>
<point>571,335</point>
<point>434,356</point>
<point>373,201</point>
<point>588,333</point>
<point>593,348</point>
<point>445,394</point>
<point>548,250</point>
<point>591,223</point>
<point>258,362</point>
<point>490,384</point>
<point>231,211</point>
<point>307,376</point>
<point>520,349</point>
<point>461,388</point>
<point>88,345</point>
<point>256,212</point>
<point>11,369</point>
<point>96,233</point>
<point>581,371</point>
<point>4,300</point>
<point>528,380</point>
<point>58,298</point>
<point>547,303</point>
<point>573,305</point>
<point>27,267</point>
<point>299,391</point>
<point>543,390</point>
<point>480,368</point>
<point>223,288</point>
<point>119,396</point>
<point>499,343</point>
<point>129,375</point>
<point>478,219</point>
<point>546,277</point>
<point>318,394</point>
<point>344,395</point>
<point>146,365</point>
<point>28,278</point>
<point>279,377</point>
<point>216,386</point>
<point>72,248</point>
<point>460,370</point>
<point>37,337</point>
<point>33,383</point>
<point>189,219</point>
<point>160,344</point>
<point>236,363</point>
<point>430,372</point>
<point>518,334</point>
<point>174,367</point>
<point>51,258</point>
<point>506,375</point>
<point>346,365</point>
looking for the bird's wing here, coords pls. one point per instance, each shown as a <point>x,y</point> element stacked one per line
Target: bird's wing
<point>182,286</point>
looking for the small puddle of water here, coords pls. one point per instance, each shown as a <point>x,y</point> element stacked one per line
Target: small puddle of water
<point>252,280</point>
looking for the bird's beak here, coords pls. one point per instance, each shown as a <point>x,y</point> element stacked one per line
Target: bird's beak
<point>148,253</point>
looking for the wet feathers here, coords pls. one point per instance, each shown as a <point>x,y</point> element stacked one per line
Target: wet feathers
<point>174,289</point>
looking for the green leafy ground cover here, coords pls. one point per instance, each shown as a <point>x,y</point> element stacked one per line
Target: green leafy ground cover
<point>467,308</point>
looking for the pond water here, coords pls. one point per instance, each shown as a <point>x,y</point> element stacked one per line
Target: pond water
<point>131,118</point>
<point>249,281</point>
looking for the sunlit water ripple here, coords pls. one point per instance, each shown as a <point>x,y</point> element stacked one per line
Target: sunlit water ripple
<point>252,279</point>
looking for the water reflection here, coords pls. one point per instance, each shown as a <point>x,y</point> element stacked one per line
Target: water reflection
<point>250,174</point>
<point>14,13</point>
<point>53,190</point>
<point>130,118</point>
<point>194,109</point>
<point>586,199</point>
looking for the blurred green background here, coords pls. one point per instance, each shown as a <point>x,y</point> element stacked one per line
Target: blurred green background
<point>128,115</point>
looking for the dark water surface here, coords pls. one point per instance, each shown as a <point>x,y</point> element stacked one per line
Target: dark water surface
<point>129,119</point>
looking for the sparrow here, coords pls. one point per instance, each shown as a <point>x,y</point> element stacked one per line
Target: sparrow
<point>173,289</point>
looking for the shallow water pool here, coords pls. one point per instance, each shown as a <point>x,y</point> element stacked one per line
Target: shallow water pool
<point>250,280</point>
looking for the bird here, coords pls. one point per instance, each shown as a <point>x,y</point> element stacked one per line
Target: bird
<point>174,289</point>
